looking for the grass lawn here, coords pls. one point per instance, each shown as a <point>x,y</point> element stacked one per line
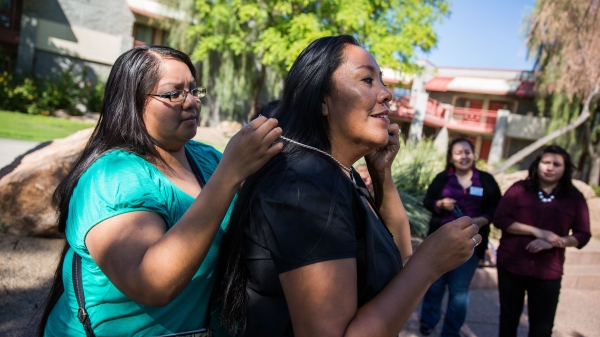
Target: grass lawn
<point>16,125</point>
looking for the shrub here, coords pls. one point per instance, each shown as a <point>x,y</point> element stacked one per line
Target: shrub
<point>413,170</point>
<point>596,190</point>
<point>42,96</point>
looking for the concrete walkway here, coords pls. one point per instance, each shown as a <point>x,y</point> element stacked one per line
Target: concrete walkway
<point>12,148</point>
<point>577,315</point>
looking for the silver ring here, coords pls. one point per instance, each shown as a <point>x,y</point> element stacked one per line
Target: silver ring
<point>475,241</point>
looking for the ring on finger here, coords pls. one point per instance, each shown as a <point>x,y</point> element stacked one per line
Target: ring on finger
<point>475,241</point>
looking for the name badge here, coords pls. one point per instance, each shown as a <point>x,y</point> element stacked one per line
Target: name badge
<point>476,191</point>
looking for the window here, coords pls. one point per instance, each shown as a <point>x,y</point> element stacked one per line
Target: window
<point>147,35</point>
<point>5,13</point>
<point>498,105</point>
<point>144,34</point>
<point>468,103</point>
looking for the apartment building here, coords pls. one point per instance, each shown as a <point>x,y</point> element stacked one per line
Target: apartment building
<point>494,108</point>
<point>41,35</point>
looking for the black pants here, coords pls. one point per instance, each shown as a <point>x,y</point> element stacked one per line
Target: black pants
<point>542,300</point>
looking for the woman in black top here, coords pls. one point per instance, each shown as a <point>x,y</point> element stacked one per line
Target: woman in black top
<point>309,253</point>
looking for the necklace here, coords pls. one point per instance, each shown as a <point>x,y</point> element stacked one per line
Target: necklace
<point>322,152</point>
<point>545,200</point>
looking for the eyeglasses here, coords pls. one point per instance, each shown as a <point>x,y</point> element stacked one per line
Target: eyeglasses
<point>180,95</point>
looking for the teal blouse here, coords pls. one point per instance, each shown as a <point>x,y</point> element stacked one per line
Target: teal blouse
<point>117,183</point>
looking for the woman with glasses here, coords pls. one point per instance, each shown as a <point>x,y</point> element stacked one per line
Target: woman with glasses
<point>145,207</point>
<point>459,190</point>
<point>308,251</point>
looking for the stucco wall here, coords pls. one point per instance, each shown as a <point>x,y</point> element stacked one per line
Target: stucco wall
<point>107,16</point>
<point>91,33</point>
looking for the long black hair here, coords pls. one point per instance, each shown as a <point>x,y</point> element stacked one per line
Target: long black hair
<point>134,75</point>
<point>300,116</point>
<point>449,164</point>
<point>565,184</point>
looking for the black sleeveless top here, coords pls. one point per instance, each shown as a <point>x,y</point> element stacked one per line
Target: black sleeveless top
<point>307,213</point>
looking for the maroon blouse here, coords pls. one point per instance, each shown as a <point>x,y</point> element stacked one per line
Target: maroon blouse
<point>562,215</point>
<point>468,201</point>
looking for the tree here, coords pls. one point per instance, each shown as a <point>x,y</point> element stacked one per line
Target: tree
<point>564,38</point>
<point>259,40</point>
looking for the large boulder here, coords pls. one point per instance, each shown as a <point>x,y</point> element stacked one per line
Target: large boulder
<point>507,180</point>
<point>26,185</point>
<point>594,207</point>
<point>229,128</point>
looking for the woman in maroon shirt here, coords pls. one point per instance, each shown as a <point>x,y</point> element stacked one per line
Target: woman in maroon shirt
<point>539,217</point>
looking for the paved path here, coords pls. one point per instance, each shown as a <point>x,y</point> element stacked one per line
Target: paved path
<point>12,148</point>
<point>577,315</point>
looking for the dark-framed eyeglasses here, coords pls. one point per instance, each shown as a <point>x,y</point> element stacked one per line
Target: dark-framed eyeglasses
<point>180,95</point>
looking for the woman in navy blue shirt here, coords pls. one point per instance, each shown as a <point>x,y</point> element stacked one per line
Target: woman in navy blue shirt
<point>459,190</point>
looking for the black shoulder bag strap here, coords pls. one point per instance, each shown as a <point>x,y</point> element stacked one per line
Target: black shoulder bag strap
<point>82,314</point>
<point>202,182</point>
<point>195,169</point>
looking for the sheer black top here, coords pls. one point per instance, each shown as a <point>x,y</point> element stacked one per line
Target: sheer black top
<point>307,213</point>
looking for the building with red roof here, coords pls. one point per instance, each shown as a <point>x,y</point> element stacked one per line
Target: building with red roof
<point>494,108</point>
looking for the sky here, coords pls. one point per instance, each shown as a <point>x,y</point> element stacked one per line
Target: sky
<point>482,34</point>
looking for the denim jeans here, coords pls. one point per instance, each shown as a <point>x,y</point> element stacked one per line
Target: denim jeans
<point>458,281</point>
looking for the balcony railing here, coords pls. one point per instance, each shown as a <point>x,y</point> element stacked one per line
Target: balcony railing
<point>438,114</point>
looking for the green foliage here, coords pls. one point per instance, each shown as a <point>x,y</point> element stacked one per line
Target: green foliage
<point>596,190</point>
<point>37,128</point>
<point>495,232</point>
<point>277,31</point>
<point>42,96</point>
<point>413,170</point>
<point>3,227</point>
<point>235,39</point>
<point>562,111</point>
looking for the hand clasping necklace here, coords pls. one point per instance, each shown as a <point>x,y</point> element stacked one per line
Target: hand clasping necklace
<point>545,200</point>
<point>322,152</point>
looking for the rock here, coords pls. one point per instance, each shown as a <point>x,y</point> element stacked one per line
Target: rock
<point>81,108</point>
<point>594,207</point>
<point>585,189</point>
<point>26,185</point>
<point>507,180</point>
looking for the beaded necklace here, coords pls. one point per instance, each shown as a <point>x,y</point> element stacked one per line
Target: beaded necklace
<point>545,200</point>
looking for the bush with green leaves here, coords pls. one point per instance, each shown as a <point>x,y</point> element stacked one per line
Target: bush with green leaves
<point>413,170</point>
<point>44,95</point>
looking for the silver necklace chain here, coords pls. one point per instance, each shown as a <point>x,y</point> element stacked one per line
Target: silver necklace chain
<point>320,151</point>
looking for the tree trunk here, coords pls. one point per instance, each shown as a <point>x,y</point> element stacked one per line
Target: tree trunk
<point>215,119</point>
<point>594,169</point>
<point>515,158</point>
<point>256,90</point>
